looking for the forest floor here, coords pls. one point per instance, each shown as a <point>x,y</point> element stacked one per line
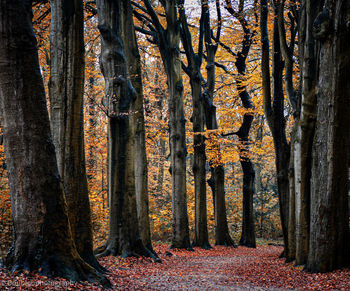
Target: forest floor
<point>220,268</point>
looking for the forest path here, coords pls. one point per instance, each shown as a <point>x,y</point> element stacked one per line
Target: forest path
<point>221,268</point>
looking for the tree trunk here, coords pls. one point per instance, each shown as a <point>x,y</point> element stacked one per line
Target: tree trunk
<point>248,223</point>
<point>67,118</point>
<point>193,70</point>
<point>124,236</point>
<point>199,169</point>
<point>141,175</point>
<point>274,112</point>
<point>216,181</point>
<point>305,134</point>
<point>329,228</point>
<point>42,235</point>
<point>292,177</point>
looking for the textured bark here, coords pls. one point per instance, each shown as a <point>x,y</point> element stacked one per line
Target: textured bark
<point>193,70</point>
<point>329,228</point>
<point>292,176</point>
<point>305,134</point>
<point>67,118</point>
<point>124,236</point>
<point>217,179</point>
<point>248,223</point>
<point>169,41</point>
<point>42,235</point>
<point>274,112</point>
<point>141,175</point>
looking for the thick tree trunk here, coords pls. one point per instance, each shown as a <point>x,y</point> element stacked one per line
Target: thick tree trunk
<point>329,228</point>
<point>305,134</point>
<point>124,236</point>
<point>67,118</point>
<point>141,175</point>
<point>42,235</point>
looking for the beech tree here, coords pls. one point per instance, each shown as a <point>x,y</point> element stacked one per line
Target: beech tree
<point>43,239</point>
<point>67,118</point>
<point>168,40</point>
<point>124,236</point>
<point>248,223</point>
<point>141,179</point>
<point>193,70</point>
<point>329,216</point>
<point>216,181</point>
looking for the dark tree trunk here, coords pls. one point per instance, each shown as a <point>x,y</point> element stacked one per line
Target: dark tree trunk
<point>67,118</point>
<point>141,175</point>
<point>248,223</point>
<point>274,112</point>
<point>329,227</point>
<point>124,236</point>
<point>193,70</point>
<point>216,181</point>
<point>42,235</point>
<point>169,41</point>
<point>306,131</point>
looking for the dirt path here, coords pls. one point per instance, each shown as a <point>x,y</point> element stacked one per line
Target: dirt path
<point>220,268</point>
<point>223,269</point>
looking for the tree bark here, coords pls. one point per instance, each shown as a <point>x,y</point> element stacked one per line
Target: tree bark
<point>329,227</point>
<point>67,118</point>
<point>141,174</point>
<point>124,236</point>
<point>274,112</point>
<point>305,134</point>
<point>193,70</point>
<point>169,41</point>
<point>42,235</point>
<point>216,181</point>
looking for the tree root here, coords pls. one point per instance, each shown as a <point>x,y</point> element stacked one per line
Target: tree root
<point>72,268</point>
<point>136,250</point>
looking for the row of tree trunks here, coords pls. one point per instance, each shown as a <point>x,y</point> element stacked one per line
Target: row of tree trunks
<point>318,230</point>
<point>43,239</point>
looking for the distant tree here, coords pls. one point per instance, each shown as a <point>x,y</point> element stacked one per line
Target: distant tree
<point>42,234</point>
<point>248,223</point>
<point>193,70</point>
<point>216,181</point>
<point>168,41</point>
